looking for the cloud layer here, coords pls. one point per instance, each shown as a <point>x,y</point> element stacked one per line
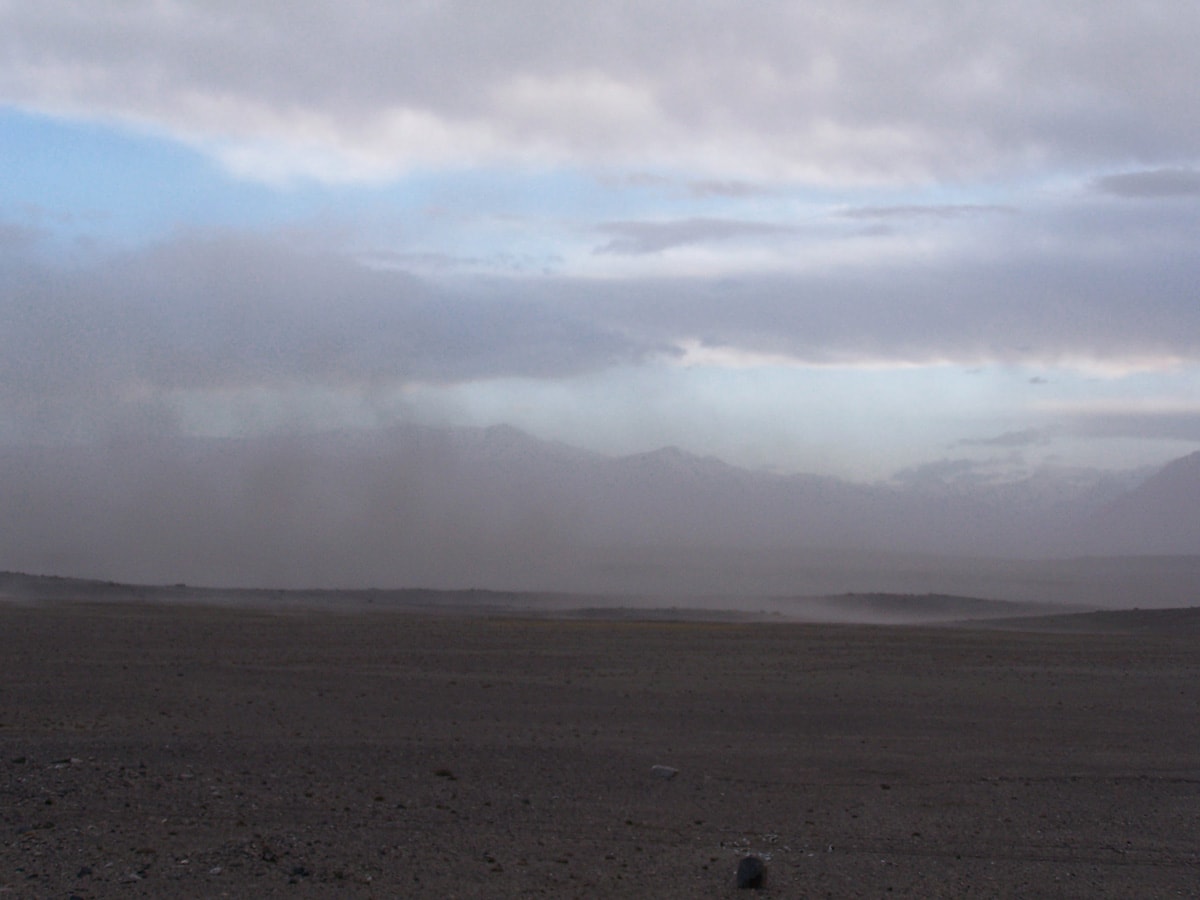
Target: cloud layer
<point>458,194</point>
<point>824,92</point>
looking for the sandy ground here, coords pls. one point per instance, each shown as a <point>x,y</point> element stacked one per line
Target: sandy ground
<point>176,751</point>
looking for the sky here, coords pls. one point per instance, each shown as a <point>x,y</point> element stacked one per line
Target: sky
<point>847,238</point>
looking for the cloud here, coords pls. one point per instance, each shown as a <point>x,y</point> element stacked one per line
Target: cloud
<point>1081,284</point>
<point>934,211</point>
<point>1174,425</point>
<point>1109,285</point>
<point>1028,437</point>
<point>1023,304</point>
<point>846,92</point>
<point>1151,184</point>
<point>238,312</point>
<point>14,236</point>
<point>942,472</point>
<point>634,238</point>
<point>727,188</point>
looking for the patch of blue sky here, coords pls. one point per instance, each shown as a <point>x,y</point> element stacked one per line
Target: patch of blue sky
<point>110,184</point>
<point>119,186</point>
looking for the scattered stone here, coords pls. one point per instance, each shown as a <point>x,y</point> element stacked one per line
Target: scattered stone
<point>664,772</point>
<point>751,872</point>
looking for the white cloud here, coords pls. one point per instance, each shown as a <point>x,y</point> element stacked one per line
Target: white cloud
<point>636,238</point>
<point>846,92</point>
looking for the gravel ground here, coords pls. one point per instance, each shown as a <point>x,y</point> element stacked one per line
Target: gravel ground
<point>153,751</point>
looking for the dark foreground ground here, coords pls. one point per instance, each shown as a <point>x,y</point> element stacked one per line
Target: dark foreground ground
<point>188,752</point>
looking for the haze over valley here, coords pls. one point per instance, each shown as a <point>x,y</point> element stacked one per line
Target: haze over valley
<point>415,506</point>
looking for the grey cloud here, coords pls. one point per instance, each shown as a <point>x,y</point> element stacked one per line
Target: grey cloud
<point>1151,184</point>
<point>1091,281</point>
<point>726,188</point>
<point>635,180</point>
<point>940,472</point>
<point>390,259</point>
<point>1100,281</point>
<point>1175,426</point>
<point>633,238</point>
<point>1028,437</point>
<point>17,237</point>
<point>933,211</point>
<point>233,311</point>
<point>432,261</point>
<point>699,188</point>
<point>1020,311</point>
<point>826,90</point>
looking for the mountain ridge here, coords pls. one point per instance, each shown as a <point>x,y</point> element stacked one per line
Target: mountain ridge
<point>498,507</point>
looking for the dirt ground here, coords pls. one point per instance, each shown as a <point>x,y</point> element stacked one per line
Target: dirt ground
<point>170,751</point>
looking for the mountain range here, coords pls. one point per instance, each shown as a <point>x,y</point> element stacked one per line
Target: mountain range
<point>495,507</point>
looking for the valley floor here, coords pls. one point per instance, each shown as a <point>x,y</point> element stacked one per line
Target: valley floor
<point>178,751</point>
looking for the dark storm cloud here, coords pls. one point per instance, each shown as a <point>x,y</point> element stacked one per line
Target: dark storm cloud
<point>232,311</point>
<point>1151,184</point>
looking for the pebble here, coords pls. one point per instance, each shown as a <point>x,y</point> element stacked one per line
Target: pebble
<point>751,872</point>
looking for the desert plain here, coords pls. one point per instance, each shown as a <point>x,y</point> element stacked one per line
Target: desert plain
<point>184,749</point>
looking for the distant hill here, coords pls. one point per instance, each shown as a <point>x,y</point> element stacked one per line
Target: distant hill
<point>1161,515</point>
<point>875,609</point>
<point>498,508</point>
<point>1182,622</point>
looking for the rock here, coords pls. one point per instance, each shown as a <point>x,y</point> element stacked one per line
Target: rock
<point>664,772</point>
<point>751,872</point>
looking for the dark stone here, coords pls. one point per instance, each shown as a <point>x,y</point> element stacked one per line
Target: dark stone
<point>751,872</point>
